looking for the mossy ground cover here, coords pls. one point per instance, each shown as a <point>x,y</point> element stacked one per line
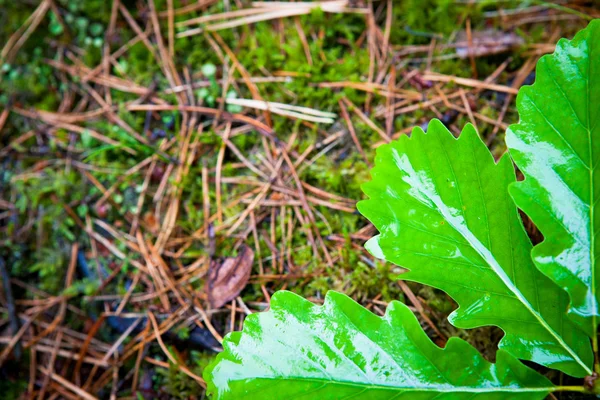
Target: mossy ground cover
<point>126,177</point>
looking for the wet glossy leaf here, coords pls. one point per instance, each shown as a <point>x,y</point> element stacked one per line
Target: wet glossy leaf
<point>557,147</point>
<point>443,211</point>
<point>340,350</point>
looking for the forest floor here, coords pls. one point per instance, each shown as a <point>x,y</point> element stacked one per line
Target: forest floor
<point>167,165</point>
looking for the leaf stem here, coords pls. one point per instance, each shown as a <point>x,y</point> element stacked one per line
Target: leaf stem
<point>595,349</point>
<point>580,389</point>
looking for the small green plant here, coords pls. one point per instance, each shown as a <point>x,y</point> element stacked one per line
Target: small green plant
<point>444,211</point>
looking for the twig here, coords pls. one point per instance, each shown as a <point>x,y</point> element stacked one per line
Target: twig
<point>10,306</point>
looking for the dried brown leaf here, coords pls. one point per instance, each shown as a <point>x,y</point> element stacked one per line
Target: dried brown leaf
<point>228,277</point>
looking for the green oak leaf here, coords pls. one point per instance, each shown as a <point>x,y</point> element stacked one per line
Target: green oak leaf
<point>443,211</point>
<point>341,351</point>
<point>556,145</point>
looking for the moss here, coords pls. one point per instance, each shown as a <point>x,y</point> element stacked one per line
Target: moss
<point>12,389</point>
<point>176,384</point>
<point>46,256</point>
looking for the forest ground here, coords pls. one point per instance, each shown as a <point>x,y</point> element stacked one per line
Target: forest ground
<point>138,158</point>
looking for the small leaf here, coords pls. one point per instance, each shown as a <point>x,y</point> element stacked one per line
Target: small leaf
<point>227,279</point>
<point>443,211</point>
<point>557,147</point>
<point>342,351</point>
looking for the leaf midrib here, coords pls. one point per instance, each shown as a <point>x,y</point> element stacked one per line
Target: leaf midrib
<point>435,389</point>
<point>591,212</point>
